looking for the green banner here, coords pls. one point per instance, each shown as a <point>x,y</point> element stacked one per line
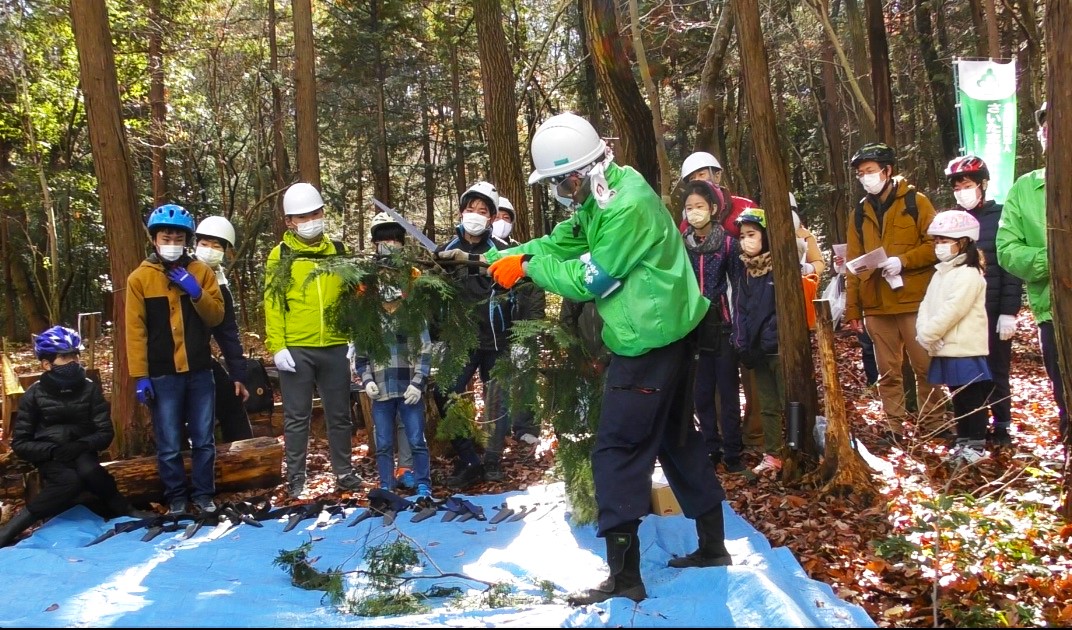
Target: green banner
<point>986,106</point>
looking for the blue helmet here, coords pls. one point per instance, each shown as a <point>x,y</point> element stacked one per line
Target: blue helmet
<point>57,340</point>
<point>173,216</point>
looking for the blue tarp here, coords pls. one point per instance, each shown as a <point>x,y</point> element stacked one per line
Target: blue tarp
<point>226,578</point>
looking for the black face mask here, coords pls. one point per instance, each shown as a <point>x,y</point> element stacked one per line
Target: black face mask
<point>68,373</point>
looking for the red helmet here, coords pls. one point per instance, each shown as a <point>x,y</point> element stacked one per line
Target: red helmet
<point>967,166</point>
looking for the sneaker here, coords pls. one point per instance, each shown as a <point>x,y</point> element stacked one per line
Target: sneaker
<point>770,463</point>
<point>493,471</point>
<point>205,504</point>
<point>178,506</point>
<point>424,492</point>
<point>404,478</point>
<point>467,477</point>
<point>295,487</point>
<point>349,481</point>
<point>529,439</point>
<point>967,452</point>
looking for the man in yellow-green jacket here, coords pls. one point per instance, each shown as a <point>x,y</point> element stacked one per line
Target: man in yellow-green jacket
<point>621,249</point>
<point>308,351</point>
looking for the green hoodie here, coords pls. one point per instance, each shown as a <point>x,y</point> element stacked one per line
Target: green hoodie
<point>302,321</point>
<point>1021,240</point>
<point>633,239</point>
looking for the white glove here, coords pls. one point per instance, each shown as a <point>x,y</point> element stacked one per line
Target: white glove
<point>806,268</point>
<point>284,362</point>
<point>372,389</point>
<point>1006,327</point>
<point>411,396</point>
<point>891,267</point>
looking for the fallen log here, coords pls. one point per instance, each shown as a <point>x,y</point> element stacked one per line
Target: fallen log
<point>241,465</point>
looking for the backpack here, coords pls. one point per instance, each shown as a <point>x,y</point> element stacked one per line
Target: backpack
<point>910,208</point>
<point>261,396</point>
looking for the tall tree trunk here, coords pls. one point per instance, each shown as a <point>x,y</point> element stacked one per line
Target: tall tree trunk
<point>940,76</point>
<point>861,64</point>
<point>305,94</point>
<point>33,308</point>
<point>614,74</point>
<point>820,9</point>
<point>157,105</point>
<point>993,40</point>
<point>793,343</point>
<point>710,82</point>
<point>880,72</point>
<point>586,89</point>
<point>975,7</point>
<point>1029,91</point>
<point>115,185</point>
<point>427,163</point>
<point>381,170</point>
<point>830,110</point>
<point>460,178</point>
<point>665,176</point>
<point>500,110</point>
<point>280,168</point>
<point>1059,195</point>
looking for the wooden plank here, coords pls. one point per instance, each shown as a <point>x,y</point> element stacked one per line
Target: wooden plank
<point>10,392</point>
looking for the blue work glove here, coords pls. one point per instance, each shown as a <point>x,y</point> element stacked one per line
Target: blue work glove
<point>144,390</point>
<point>186,282</point>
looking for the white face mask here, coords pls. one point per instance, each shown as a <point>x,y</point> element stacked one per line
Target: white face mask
<point>386,248</point>
<point>752,245</point>
<point>873,183</point>
<point>944,252</point>
<point>210,256</point>
<point>501,228</point>
<point>474,224</point>
<point>170,253</point>
<point>310,229</point>
<point>967,198</point>
<point>697,217</point>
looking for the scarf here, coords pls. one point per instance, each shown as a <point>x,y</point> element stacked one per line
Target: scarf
<point>758,265</point>
<point>711,243</point>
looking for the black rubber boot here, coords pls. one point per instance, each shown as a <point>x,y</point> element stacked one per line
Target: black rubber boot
<point>711,531</point>
<point>623,559</point>
<point>16,526</point>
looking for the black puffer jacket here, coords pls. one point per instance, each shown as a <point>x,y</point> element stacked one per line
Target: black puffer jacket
<point>50,414</point>
<point>1004,291</point>
<point>493,306</point>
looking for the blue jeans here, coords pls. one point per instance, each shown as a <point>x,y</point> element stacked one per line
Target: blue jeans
<point>187,399</point>
<point>412,419</point>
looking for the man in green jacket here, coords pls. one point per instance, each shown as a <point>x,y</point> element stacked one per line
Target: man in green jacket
<point>308,351</point>
<point>1021,243</point>
<point>621,249</point>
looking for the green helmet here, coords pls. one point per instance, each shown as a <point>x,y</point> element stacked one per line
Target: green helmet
<point>752,215</point>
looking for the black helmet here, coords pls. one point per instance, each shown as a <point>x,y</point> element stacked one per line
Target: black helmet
<point>874,152</point>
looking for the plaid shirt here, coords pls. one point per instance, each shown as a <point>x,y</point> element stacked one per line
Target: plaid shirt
<point>401,370</point>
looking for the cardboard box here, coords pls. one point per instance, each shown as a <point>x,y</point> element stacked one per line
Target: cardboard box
<point>663,501</point>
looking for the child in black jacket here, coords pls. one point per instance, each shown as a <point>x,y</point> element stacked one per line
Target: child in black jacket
<point>62,423</point>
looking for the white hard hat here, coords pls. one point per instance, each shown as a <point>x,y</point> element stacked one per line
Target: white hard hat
<point>217,227</point>
<point>796,219</point>
<point>302,198</point>
<point>485,191</point>
<point>793,201</point>
<point>562,144</point>
<point>696,161</point>
<point>506,204</point>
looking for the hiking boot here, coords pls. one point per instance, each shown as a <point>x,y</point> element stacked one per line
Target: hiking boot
<point>295,487</point>
<point>178,506</point>
<point>999,436</point>
<point>404,478</point>
<point>349,482</point>
<point>466,477</point>
<point>493,471</point>
<point>770,464</point>
<point>623,559</point>
<point>205,504</point>
<point>733,466</point>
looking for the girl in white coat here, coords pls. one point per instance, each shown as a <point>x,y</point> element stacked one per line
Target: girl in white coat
<point>952,325</point>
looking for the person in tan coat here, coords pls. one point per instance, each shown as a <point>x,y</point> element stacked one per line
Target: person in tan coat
<point>893,215</point>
